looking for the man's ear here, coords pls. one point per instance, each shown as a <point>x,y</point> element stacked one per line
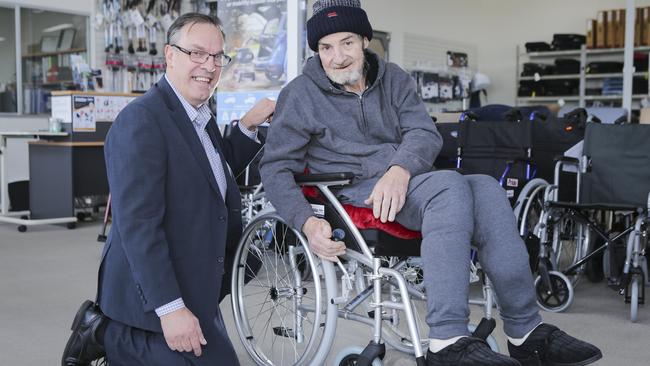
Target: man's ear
<point>366,42</point>
<point>169,55</point>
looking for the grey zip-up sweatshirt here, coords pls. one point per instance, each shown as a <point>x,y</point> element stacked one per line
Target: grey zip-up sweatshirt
<point>326,129</point>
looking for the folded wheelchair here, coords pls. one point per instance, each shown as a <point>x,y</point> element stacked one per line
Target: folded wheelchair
<point>610,207</point>
<point>286,301</point>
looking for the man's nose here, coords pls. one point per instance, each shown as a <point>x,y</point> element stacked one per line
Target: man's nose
<point>209,64</point>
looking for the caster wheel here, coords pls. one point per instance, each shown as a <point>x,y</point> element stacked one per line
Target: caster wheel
<point>22,228</point>
<point>349,355</point>
<point>81,216</point>
<point>71,225</point>
<point>559,297</point>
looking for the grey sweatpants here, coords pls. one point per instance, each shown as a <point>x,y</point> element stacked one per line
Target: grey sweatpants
<point>453,211</point>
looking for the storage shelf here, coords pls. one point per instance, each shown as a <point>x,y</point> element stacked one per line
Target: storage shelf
<point>612,75</point>
<point>589,51</point>
<point>552,77</point>
<point>56,53</point>
<point>575,98</point>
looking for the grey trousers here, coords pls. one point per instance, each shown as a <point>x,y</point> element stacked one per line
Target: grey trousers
<point>453,211</point>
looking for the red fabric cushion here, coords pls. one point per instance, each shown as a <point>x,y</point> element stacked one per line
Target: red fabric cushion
<point>363,218</point>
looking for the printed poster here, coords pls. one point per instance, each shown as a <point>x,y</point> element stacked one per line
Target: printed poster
<point>83,113</point>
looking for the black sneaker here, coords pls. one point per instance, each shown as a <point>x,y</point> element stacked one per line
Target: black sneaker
<point>549,346</point>
<point>469,351</point>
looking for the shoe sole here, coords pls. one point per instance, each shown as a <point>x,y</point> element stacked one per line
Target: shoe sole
<point>581,363</point>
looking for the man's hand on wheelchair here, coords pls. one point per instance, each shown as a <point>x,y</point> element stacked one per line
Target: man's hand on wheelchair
<point>389,195</point>
<point>319,235</point>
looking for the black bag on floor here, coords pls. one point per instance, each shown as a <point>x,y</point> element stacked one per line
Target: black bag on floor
<point>568,41</point>
<point>537,47</point>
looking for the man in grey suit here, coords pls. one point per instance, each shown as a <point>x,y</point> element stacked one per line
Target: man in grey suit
<point>176,215</point>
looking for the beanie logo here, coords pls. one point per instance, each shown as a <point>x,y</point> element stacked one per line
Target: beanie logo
<point>332,14</point>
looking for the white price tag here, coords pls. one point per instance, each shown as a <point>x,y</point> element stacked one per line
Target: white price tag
<point>319,210</point>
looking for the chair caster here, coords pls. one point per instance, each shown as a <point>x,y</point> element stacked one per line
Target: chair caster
<point>71,225</point>
<point>559,297</point>
<point>349,356</point>
<point>22,228</point>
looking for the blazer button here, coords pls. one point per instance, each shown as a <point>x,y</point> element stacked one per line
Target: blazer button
<point>220,259</point>
<point>222,218</point>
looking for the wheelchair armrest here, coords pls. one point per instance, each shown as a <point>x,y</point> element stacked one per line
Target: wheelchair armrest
<point>567,159</point>
<point>329,179</point>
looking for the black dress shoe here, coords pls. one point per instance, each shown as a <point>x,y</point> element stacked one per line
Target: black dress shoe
<point>549,346</point>
<point>469,351</point>
<point>84,346</point>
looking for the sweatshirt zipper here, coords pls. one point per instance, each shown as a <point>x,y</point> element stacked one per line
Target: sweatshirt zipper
<point>363,115</point>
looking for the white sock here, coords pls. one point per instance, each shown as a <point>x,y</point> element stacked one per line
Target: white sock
<point>437,345</point>
<point>520,341</point>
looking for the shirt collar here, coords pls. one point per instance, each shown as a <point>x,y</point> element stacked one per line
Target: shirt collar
<point>192,112</point>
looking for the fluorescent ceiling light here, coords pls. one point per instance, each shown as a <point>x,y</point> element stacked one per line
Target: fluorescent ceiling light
<point>2,39</point>
<point>58,27</point>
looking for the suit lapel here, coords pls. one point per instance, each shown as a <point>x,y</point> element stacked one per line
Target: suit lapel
<point>217,140</point>
<point>184,125</point>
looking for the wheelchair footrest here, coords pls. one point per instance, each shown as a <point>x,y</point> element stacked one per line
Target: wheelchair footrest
<point>484,328</point>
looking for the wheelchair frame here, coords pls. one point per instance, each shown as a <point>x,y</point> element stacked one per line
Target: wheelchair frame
<point>340,304</point>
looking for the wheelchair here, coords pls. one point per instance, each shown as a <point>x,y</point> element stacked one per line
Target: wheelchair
<point>286,301</point>
<point>611,205</point>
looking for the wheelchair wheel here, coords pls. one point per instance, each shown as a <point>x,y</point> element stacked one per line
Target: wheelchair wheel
<point>634,297</point>
<point>531,212</point>
<point>559,297</point>
<point>570,244</point>
<point>281,308</point>
<point>349,356</point>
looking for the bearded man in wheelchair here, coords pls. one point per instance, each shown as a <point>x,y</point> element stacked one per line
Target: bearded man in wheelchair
<point>350,111</point>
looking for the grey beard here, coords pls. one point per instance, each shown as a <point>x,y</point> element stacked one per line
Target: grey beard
<point>347,77</point>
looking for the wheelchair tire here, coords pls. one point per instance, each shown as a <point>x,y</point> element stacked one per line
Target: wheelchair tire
<point>282,313</point>
<point>348,357</point>
<point>559,298</point>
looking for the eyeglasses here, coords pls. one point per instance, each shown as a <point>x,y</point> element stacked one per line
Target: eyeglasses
<point>201,57</point>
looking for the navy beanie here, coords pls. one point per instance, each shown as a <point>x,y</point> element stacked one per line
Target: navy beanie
<point>333,16</point>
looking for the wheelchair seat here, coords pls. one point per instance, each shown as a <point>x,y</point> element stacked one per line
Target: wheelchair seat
<point>387,239</point>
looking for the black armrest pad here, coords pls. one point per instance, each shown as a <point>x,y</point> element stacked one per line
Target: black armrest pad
<point>566,159</point>
<point>324,177</point>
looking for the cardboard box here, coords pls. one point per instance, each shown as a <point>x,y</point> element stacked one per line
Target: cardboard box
<point>645,32</point>
<point>620,28</point>
<point>638,26</point>
<point>601,29</point>
<point>592,29</point>
<point>612,29</point>
<point>644,118</point>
